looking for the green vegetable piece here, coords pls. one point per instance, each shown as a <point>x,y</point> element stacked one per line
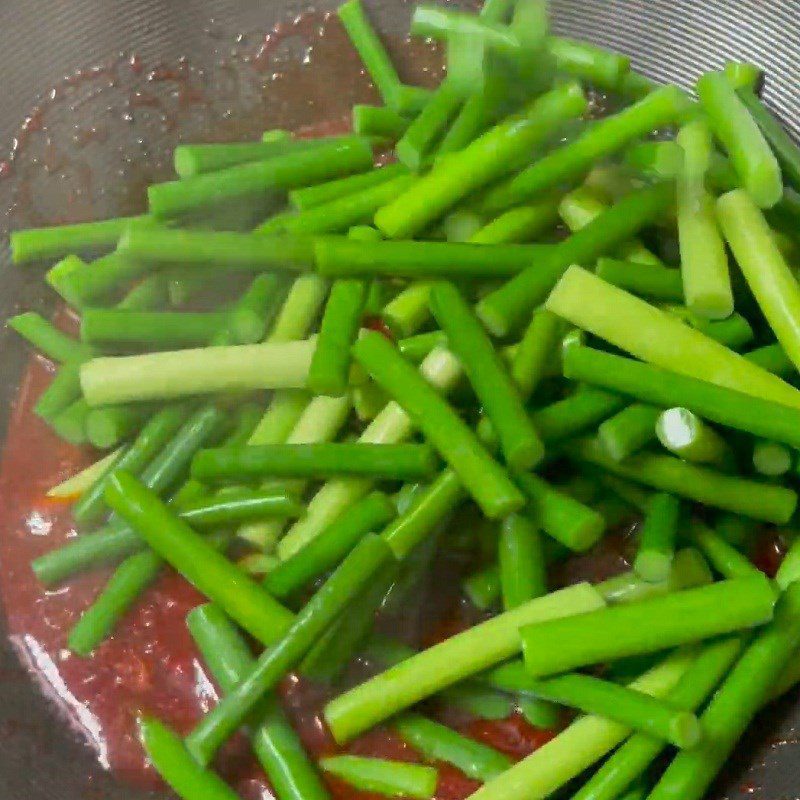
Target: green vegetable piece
<point>329,372</point>
<point>447,663</point>
<point>771,280</point>
<point>244,600</point>
<point>390,778</point>
<point>632,759</point>
<point>505,308</point>
<point>275,743</point>
<point>331,546</point>
<point>782,144</point>
<point>593,695</point>
<point>657,538</point>
<point>753,499</point>
<point>177,373</point>
<point>483,477</point>
<point>174,763</point>
<point>249,462</point>
<point>704,262</point>
<point>254,179</point>
<point>495,388</point>
<point>660,339</point>
<point>523,573</point>
<point>416,145</point>
<point>583,743</point>
<point>196,159</point>
<point>439,743</point>
<point>340,257</point>
<point>561,516</point>
<point>38,244</point>
<point>629,430</point>
<point>380,122</point>
<point>45,337</point>
<point>372,52</point>
<point>645,280</point>
<point>751,156</point>
<point>718,404</point>
<point>665,106</point>
<point>648,626</point>
<point>686,435</point>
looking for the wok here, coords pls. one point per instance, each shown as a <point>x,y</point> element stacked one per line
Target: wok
<point>41,41</point>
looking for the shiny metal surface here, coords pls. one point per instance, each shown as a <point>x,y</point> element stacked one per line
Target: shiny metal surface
<point>43,40</point>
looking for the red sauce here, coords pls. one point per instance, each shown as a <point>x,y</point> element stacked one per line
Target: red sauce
<point>514,736</point>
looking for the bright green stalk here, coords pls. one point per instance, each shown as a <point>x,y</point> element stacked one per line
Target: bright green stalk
<point>363,562</point>
<point>180,373</point>
<point>646,280</point>
<point>704,262</point>
<point>635,756</point>
<point>585,742</point>
<point>379,776</point>
<point>771,280</point>
<point>718,404</point>
<point>649,626</point>
<point>686,435</point>
<point>278,748</point>
<point>754,499</point>
<point>751,156</point>
<point>79,483</point>
<point>521,224</point>
<point>481,475</point>
<point>658,338</point>
<point>561,516</point>
<point>447,663</point>
<point>568,163</point>
<point>505,308</point>
<point>372,52</point>
<point>256,179</point>
<point>437,742</point>
<point>657,538</point>
<point>593,695</point>
<point>409,310</point>
<point>772,459</point>
<point>523,573</point>
<point>495,388</point>
<point>329,372</point>
<point>629,430</point>
<point>416,145</point>
<point>175,764</point>
<point>378,121</point>
<point>38,244</point>
<point>587,62</point>
<point>775,133</point>
<point>722,556</point>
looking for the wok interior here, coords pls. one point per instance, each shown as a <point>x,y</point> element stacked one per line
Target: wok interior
<point>41,42</point>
